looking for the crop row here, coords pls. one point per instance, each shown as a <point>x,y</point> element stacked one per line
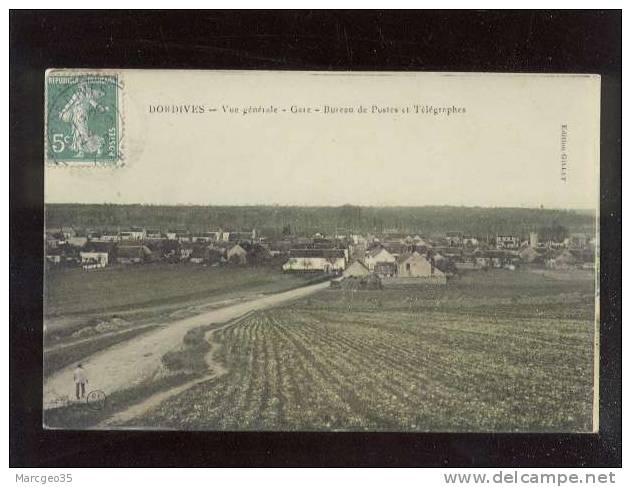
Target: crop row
<point>291,369</point>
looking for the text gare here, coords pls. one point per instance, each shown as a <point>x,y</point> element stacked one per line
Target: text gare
<point>330,109</point>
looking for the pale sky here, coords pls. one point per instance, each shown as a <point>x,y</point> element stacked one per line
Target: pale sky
<point>505,150</point>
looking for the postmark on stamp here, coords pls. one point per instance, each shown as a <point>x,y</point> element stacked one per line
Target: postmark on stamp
<point>84,119</point>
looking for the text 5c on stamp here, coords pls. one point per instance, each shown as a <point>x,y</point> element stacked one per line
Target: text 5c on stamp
<point>83,118</point>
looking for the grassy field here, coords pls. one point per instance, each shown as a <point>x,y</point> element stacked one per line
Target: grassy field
<point>58,357</point>
<point>493,351</point>
<point>79,415</point>
<point>75,291</point>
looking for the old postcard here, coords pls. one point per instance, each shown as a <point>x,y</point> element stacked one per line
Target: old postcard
<point>321,251</point>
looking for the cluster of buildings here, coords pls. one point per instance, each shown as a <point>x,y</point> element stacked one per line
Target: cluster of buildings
<point>454,251</point>
<point>98,249</point>
<point>392,256</point>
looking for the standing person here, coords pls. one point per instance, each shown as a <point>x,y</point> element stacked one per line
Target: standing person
<point>80,381</point>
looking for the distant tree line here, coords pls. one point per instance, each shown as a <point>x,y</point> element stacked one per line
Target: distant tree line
<point>286,220</point>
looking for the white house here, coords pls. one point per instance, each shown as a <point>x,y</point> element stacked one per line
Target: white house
<point>96,254</point>
<point>154,235</point>
<point>133,234</point>
<point>205,237</point>
<point>507,242</point>
<point>77,241</point>
<point>315,260</point>
<point>104,236</point>
<point>94,259</point>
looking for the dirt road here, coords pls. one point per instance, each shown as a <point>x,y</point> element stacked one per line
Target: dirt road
<point>215,370</point>
<point>131,362</point>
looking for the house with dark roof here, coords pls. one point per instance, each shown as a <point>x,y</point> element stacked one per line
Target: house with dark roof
<point>278,247</point>
<point>205,237</point>
<point>399,248</point>
<point>54,239</point>
<point>239,236</point>
<point>108,235</point>
<point>64,231</point>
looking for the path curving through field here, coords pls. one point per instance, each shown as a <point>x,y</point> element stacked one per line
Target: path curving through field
<point>134,361</point>
<point>215,370</point>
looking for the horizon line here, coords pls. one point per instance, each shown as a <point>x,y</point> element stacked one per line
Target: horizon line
<point>250,205</point>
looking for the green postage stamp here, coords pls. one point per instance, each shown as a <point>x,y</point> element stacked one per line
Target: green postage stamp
<point>83,118</point>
